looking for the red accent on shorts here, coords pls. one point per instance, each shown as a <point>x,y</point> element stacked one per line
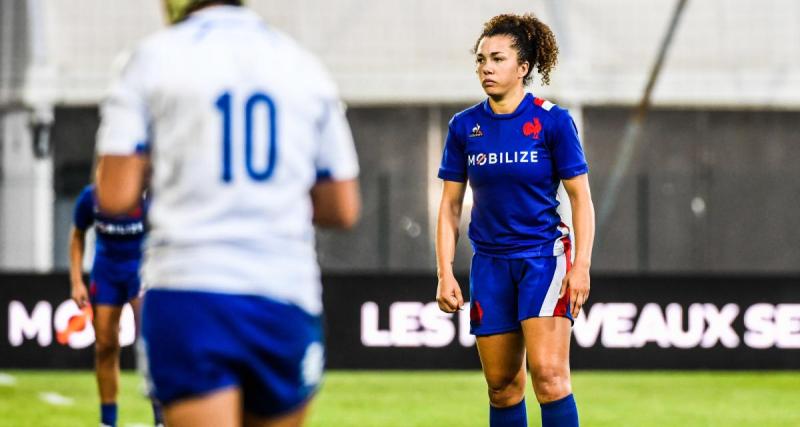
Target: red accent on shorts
<point>563,303</point>
<point>475,312</point>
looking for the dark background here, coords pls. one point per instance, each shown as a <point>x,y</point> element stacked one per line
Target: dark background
<point>344,295</point>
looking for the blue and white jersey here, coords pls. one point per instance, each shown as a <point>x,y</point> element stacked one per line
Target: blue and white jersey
<point>240,122</point>
<point>514,164</point>
<point>118,238</point>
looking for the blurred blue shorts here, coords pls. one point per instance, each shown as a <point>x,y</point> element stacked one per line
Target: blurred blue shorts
<point>201,342</point>
<point>114,282</point>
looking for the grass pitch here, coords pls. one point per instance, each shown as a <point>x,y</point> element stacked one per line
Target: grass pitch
<point>456,398</point>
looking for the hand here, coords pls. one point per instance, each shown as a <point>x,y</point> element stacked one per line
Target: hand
<point>80,294</point>
<point>448,294</point>
<point>576,282</point>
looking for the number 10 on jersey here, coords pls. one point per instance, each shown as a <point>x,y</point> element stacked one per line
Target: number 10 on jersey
<point>227,107</point>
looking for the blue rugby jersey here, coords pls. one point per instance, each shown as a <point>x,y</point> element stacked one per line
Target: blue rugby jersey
<point>118,237</point>
<point>514,163</point>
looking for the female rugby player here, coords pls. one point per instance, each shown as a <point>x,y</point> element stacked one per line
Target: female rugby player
<point>114,282</point>
<point>248,145</point>
<point>514,149</point>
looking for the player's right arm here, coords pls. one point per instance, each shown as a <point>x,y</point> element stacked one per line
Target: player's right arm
<point>453,172</point>
<point>448,292</point>
<point>77,243</point>
<point>83,217</point>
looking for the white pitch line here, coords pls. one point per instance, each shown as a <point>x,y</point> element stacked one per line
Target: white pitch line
<point>56,399</point>
<point>7,380</point>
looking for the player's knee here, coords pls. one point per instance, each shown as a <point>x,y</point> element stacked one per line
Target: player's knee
<point>506,391</point>
<point>106,348</point>
<point>551,383</point>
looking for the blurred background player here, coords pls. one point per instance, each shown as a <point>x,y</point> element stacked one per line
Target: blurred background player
<point>114,282</point>
<point>248,143</point>
<point>514,149</point>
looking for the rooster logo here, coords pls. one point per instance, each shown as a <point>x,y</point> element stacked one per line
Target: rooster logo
<point>532,128</point>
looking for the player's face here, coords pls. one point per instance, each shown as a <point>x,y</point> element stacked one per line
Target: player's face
<point>498,66</point>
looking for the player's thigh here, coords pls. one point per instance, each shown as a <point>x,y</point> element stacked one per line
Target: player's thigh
<point>493,297</point>
<point>547,341</point>
<point>502,357</point>
<point>291,419</point>
<point>221,408</point>
<point>106,324</point>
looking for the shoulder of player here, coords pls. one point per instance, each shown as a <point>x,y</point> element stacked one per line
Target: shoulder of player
<point>465,116</point>
<point>87,192</point>
<point>554,112</point>
<point>147,49</point>
<point>86,199</point>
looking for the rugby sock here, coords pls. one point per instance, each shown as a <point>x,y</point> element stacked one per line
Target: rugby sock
<point>108,414</point>
<point>158,416</point>
<point>560,413</point>
<point>513,416</point>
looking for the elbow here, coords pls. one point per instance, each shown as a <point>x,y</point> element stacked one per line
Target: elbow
<point>348,222</point>
<point>347,217</point>
<point>336,204</point>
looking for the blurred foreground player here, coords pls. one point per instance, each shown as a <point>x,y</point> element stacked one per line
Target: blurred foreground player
<point>514,149</point>
<point>114,282</point>
<point>248,143</point>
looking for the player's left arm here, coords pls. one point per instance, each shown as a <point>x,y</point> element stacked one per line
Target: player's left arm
<point>120,182</point>
<point>576,282</point>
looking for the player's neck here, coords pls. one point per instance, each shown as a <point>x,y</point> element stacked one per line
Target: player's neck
<point>508,102</point>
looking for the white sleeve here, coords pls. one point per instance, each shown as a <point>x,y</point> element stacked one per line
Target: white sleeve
<point>336,157</point>
<point>124,117</point>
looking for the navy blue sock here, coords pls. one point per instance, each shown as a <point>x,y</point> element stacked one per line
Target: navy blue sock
<point>560,413</point>
<point>158,416</point>
<point>513,416</point>
<point>108,414</point>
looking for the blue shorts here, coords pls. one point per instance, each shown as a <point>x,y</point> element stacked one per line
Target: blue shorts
<point>114,282</point>
<point>201,342</point>
<point>504,292</point>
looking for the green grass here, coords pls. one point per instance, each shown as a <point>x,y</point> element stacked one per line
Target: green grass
<point>407,399</point>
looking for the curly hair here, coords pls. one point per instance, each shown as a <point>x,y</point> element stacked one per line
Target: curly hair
<point>532,39</point>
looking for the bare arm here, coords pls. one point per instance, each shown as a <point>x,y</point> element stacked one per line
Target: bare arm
<point>77,245</point>
<point>337,204</point>
<point>577,280</point>
<point>448,293</point>
<point>120,181</point>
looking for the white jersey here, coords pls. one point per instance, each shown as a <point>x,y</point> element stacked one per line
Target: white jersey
<point>240,123</point>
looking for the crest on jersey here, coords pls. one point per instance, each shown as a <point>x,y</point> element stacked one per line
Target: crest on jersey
<point>532,128</point>
<point>476,131</point>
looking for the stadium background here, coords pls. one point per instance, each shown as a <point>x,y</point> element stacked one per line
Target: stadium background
<point>696,263</point>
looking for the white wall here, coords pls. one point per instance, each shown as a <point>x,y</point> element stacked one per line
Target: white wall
<point>726,52</point>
